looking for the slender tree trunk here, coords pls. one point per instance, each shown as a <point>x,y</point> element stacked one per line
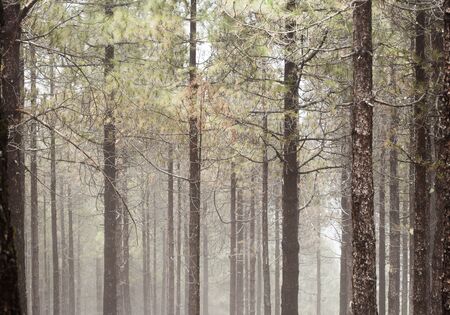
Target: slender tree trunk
<point>125,241</point>
<point>47,300</point>
<point>64,263</point>
<point>318,267</point>
<point>364,252</point>
<point>411,197</point>
<point>346,241</point>
<point>382,227</point>
<point>194,170</point>
<point>55,258</point>
<point>405,265</point>
<point>34,209</point>
<point>179,231</point>
<point>170,238</point>
<point>394,219</point>
<point>155,292</point>
<point>443,170</point>
<point>277,259</point>
<point>186,263</point>
<point>233,243</point>
<point>265,225</point>
<point>145,256</point>
<point>205,295</point>
<point>71,256</point>
<point>110,199</point>
<point>99,285</point>
<point>259,280</point>
<point>290,246</point>
<point>164,274</point>
<point>78,294</point>
<point>252,249</point>
<point>420,298</point>
<point>239,255</point>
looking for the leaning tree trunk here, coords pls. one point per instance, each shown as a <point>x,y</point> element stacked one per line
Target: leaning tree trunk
<point>364,253</point>
<point>110,199</point>
<point>420,286</point>
<point>290,245</point>
<point>443,170</point>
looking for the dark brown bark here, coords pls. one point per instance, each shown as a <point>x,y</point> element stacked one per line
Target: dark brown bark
<point>239,255</point>
<point>170,238</point>
<point>265,224</point>
<point>9,270</point>
<point>55,253</point>
<point>443,170</point>
<point>394,218</point>
<point>382,226</point>
<point>233,243</point>
<point>290,246</point>
<point>34,209</point>
<point>364,253</point>
<point>421,226</point>
<point>345,289</point>
<point>70,256</point>
<point>194,170</point>
<point>110,200</point>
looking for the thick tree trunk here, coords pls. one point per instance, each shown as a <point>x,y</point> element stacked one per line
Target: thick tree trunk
<point>70,256</point>
<point>194,169</point>
<point>265,225</point>
<point>382,227</point>
<point>233,243</point>
<point>34,208</point>
<point>110,198</point>
<point>170,238</point>
<point>239,255</point>
<point>394,219</point>
<point>421,226</point>
<point>443,170</point>
<point>364,253</point>
<point>290,246</point>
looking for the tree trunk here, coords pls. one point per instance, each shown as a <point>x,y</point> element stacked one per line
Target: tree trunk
<point>125,241</point>
<point>34,208</point>
<point>170,238</point>
<point>70,257</point>
<point>318,267</point>
<point>364,252</point>
<point>99,285</point>
<point>405,265</point>
<point>345,289</point>
<point>265,225</point>
<point>252,275</point>
<point>179,231</point>
<point>194,170</point>
<point>420,296</point>
<point>64,263</point>
<point>55,258</point>
<point>277,258</point>
<point>290,246</point>
<point>78,294</point>
<point>164,273</point>
<point>394,218</point>
<point>259,280</point>
<point>233,243</point>
<point>145,255</point>
<point>110,198</point>
<point>382,226</point>
<point>239,255</point>
<point>155,292</point>
<point>205,295</point>
<point>443,170</point>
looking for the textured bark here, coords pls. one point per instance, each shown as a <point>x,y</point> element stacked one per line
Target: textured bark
<point>421,226</point>
<point>110,199</point>
<point>443,170</point>
<point>265,225</point>
<point>12,76</point>
<point>55,253</point>
<point>70,256</point>
<point>239,255</point>
<point>170,238</point>
<point>9,265</point>
<point>382,228</point>
<point>233,243</point>
<point>194,170</point>
<point>364,253</point>
<point>34,208</point>
<point>394,218</point>
<point>345,289</point>
<point>290,246</point>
